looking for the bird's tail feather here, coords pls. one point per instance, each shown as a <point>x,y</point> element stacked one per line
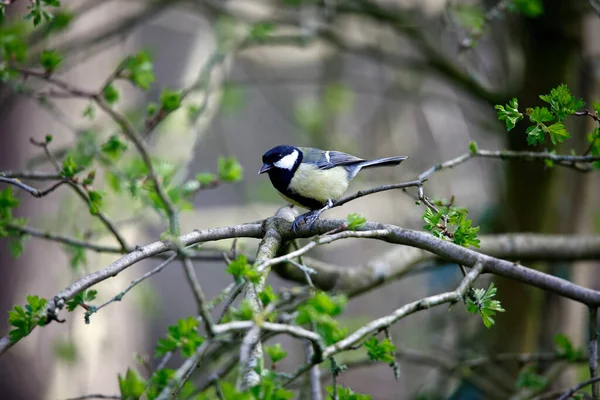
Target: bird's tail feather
<point>382,162</point>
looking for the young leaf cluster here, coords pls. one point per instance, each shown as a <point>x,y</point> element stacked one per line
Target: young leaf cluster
<point>547,122</point>
<point>320,310</point>
<point>482,301</point>
<point>344,393</point>
<point>80,298</point>
<point>451,222</point>
<point>529,379</point>
<point>7,203</point>
<point>241,269</point>
<point>355,221</point>
<point>380,351</point>
<point>24,319</point>
<point>565,348</point>
<point>183,336</point>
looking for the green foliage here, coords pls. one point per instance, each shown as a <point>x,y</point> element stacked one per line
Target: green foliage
<point>61,21</point>
<point>83,297</point>
<point>509,114</point>
<point>240,269</point>
<point>470,17</point>
<point>170,100</point>
<point>562,102</point>
<point>245,312</point>
<point>206,178</point>
<point>38,10</point>
<point>529,379</point>
<point>110,94</point>
<point>268,389</point>
<point>473,147</point>
<point>114,147</point>
<point>261,30</point>
<point>50,60</point>
<point>529,8</point>
<point>151,108</point>
<point>139,70</point>
<point>482,301</point>
<point>596,107</point>
<point>565,348</point>
<point>183,336</point>
<point>594,141</point>
<point>161,378</point>
<point>451,223</point>
<point>267,296</point>
<point>320,310</point>
<point>380,351</point>
<point>13,43</point>
<point>16,246</point>
<point>230,170</point>
<point>345,393</point>
<point>355,221</point>
<point>95,201</point>
<point>89,112</point>
<point>7,203</point>
<point>24,319</point>
<point>131,385</point>
<point>276,353</point>
<point>70,168</point>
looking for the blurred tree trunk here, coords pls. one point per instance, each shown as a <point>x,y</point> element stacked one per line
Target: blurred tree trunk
<point>552,46</point>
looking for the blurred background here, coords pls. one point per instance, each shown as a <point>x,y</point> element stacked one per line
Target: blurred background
<point>420,79</point>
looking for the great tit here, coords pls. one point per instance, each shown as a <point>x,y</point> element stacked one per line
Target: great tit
<point>314,179</point>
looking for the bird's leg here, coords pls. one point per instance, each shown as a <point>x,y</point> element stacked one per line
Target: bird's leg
<point>311,217</point>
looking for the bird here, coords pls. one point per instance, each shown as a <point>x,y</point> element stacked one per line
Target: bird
<point>314,179</point>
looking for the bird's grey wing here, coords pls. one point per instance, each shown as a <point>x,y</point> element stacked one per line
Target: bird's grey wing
<point>330,159</point>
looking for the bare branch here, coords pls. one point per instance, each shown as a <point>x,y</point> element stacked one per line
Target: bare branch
<point>96,396</point>
<point>34,192</point>
<point>192,279</point>
<point>578,387</point>
<point>593,349</point>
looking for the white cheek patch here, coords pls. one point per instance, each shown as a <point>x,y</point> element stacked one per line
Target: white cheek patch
<point>288,161</point>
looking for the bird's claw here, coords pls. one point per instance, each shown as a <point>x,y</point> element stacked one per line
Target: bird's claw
<point>309,218</point>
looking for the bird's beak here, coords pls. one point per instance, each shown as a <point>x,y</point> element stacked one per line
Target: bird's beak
<point>264,168</point>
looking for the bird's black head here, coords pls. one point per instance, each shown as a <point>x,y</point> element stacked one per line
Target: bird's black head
<point>281,158</point>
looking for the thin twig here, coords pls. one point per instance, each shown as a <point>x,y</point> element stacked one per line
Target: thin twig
<point>96,396</point>
<point>34,192</point>
<point>578,387</point>
<point>593,348</point>
<point>190,274</point>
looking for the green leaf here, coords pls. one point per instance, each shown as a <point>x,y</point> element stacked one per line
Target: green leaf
<point>81,298</point>
<point>16,247</point>
<point>231,393</point>
<point>473,147</point>
<point>70,168</point>
<point>355,221</point>
<point>562,102</point>
<point>50,60</point>
<point>245,312</point>
<point>558,133</point>
<point>540,114</point>
<point>482,301</point>
<point>509,114</point>
<point>170,100</point>
<point>238,267</point>
<point>465,235</point>
<point>95,201</point>
<point>139,69</point>
<point>470,17</point>
<point>24,319</point>
<point>267,296</point>
<point>529,379</point>
<point>61,21</point>
<point>184,336</point>
<point>565,348</point>
<point>380,351</point>
<point>596,107</point>
<point>114,147</point>
<point>89,112</point>
<point>529,8</point>
<point>346,394</point>
<point>110,94</point>
<point>535,135</point>
<point>206,178</point>
<point>131,385</point>
<point>230,170</point>
<point>276,353</point>
<point>261,30</point>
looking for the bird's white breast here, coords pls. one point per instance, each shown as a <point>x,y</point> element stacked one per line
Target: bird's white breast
<point>318,184</point>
